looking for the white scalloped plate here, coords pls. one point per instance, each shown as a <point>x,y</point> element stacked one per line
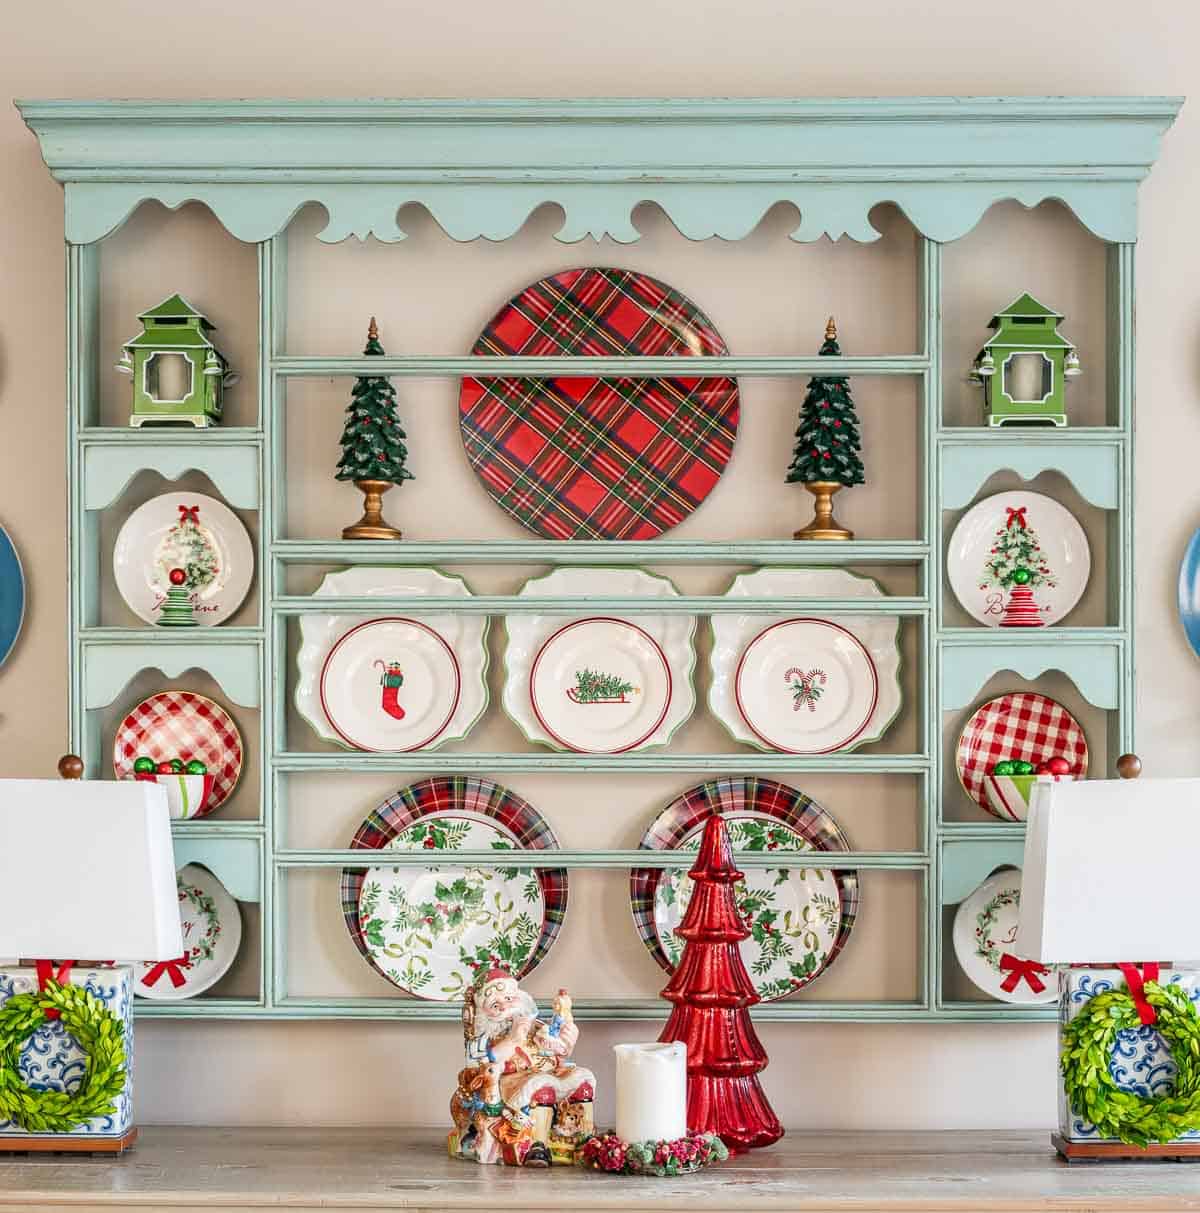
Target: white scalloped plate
<point>796,712</point>
<point>599,685</point>
<point>464,636</point>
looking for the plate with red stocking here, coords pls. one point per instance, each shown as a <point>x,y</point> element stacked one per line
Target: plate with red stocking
<point>1018,560</point>
<point>799,916</point>
<point>1021,727</point>
<point>582,457</point>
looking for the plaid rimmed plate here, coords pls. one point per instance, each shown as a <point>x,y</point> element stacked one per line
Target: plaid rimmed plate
<point>590,458</point>
<point>429,930</point>
<point>800,918</point>
<point>1022,725</point>
<point>182,724</point>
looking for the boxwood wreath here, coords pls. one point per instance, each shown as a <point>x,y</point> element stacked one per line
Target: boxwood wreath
<point>98,1032</point>
<point>1087,1044</point>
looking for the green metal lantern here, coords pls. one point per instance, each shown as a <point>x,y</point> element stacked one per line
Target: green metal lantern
<point>1024,367</point>
<point>178,374</point>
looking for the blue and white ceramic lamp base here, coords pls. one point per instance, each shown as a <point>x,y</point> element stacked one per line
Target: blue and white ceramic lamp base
<point>52,1060</point>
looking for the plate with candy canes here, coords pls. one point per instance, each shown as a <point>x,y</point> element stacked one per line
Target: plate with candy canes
<point>987,947</point>
<point>212,933</point>
<point>598,684</point>
<point>1018,734</point>
<point>581,457</point>
<point>804,685</point>
<point>198,539</point>
<point>397,682</point>
<point>429,929</point>
<point>799,916</point>
<point>167,732</point>
<point>1018,560</point>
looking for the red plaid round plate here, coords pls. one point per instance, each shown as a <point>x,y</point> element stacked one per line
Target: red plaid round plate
<point>444,814</point>
<point>783,954</point>
<point>180,724</point>
<point>589,458</point>
<point>1022,725</point>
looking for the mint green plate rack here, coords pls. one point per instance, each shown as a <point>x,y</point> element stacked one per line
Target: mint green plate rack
<point>481,168</point>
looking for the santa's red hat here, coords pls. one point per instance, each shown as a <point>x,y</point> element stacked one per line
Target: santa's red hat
<point>492,977</point>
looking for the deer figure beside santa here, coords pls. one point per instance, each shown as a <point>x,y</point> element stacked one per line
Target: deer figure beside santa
<point>520,1100</point>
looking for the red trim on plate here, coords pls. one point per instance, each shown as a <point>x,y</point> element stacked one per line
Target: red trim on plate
<point>416,624</point>
<point>737,678</point>
<point>601,619</point>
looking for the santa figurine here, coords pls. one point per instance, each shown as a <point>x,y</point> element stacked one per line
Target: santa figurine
<point>520,1099</point>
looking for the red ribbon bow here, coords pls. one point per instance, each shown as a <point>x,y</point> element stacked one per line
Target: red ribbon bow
<point>1136,981</point>
<point>1019,970</point>
<point>172,968</point>
<point>1014,516</point>
<point>191,513</point>
<point>45,973</point>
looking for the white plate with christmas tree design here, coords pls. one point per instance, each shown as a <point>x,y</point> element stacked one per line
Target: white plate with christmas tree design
<point>987,947</point>
<point>191,532</point>
<point>599,685</point>
<point>1018,560</point>
<point>430,685</point>
<point>212,933</point>
<point>805,685</point>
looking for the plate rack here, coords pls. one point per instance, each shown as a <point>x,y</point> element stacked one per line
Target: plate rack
<point>480,168</point>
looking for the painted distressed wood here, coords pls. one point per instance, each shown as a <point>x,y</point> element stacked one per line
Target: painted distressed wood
<point>110,668</point>
<point>1094,468</point>
<point>109,468</point>
<point>240,1168</point>
<point>235,860</point>
<point>1094,668</point>
<point>966,863</point>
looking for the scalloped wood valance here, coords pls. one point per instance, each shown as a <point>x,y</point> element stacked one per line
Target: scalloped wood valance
<point>714,166</point>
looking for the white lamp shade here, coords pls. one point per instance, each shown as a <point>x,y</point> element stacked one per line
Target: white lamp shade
<point>87,871</point>
<point>1110,872</point>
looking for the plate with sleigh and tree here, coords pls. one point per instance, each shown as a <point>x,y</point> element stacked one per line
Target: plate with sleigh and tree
<point>799,916</point>
<point>429,929</point>
<point>394,682</point>
<point>1018,560</point>
<point>599,684</point>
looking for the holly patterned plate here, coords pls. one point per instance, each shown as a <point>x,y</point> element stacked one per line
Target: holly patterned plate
<point>182,724</point>
<point>599,685</point>
<point>407,701</point>
<point>429,929</point>
<point>1018,560</point>
<point>212,933</point>
<point>805,685</point>
<point>1022,725</point>
<point>986,944</point>
<point>188,531</point>
<point>586,458</point>
<point>800,918</point>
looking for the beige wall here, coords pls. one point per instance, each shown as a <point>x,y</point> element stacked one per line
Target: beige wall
<point>843,1075</point>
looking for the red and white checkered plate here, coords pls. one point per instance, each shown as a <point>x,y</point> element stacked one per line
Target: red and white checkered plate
<point>1021,725</point>
<point>182,724</point>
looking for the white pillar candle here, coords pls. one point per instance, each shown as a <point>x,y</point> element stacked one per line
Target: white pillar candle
<point>651,1091</point>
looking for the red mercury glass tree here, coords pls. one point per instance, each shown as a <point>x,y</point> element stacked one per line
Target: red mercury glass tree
<point>712,993</point>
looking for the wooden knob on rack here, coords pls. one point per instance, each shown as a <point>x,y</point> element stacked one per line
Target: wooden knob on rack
<point>1129,766</point>
<point>70,766</point>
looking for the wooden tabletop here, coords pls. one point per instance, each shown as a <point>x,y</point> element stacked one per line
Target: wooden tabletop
<point>178,1168</point>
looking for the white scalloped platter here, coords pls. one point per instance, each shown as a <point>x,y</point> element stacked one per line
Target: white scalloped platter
<point>599,685</point>
<point>431,685</point>
<point>799,684</point>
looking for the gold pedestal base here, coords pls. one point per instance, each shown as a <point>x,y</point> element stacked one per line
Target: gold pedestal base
<point>824,525</point>
<point>372,525</point>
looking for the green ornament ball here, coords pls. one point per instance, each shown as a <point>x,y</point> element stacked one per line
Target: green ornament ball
<point>1022,768</point>
<point>196,767</point>
<point>144,766</point>
<point>177,765</point>
<point>1021,576</point>
<point>1003,767</point>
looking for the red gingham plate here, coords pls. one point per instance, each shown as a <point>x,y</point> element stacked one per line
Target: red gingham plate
<point>588,458</point>
<point>1022,725</point>
<point>180,724</point>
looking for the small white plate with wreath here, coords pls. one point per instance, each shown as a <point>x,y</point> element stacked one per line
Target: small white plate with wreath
<point>801,684</point>
<point>987,947</point>
<point>599,684</point>
<point>398,682</point>
<point>196,534</point>
<point>212,933</point>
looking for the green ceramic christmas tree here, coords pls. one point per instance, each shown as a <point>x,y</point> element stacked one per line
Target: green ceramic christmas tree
<point>826,457</point>
<point>373,452</point>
